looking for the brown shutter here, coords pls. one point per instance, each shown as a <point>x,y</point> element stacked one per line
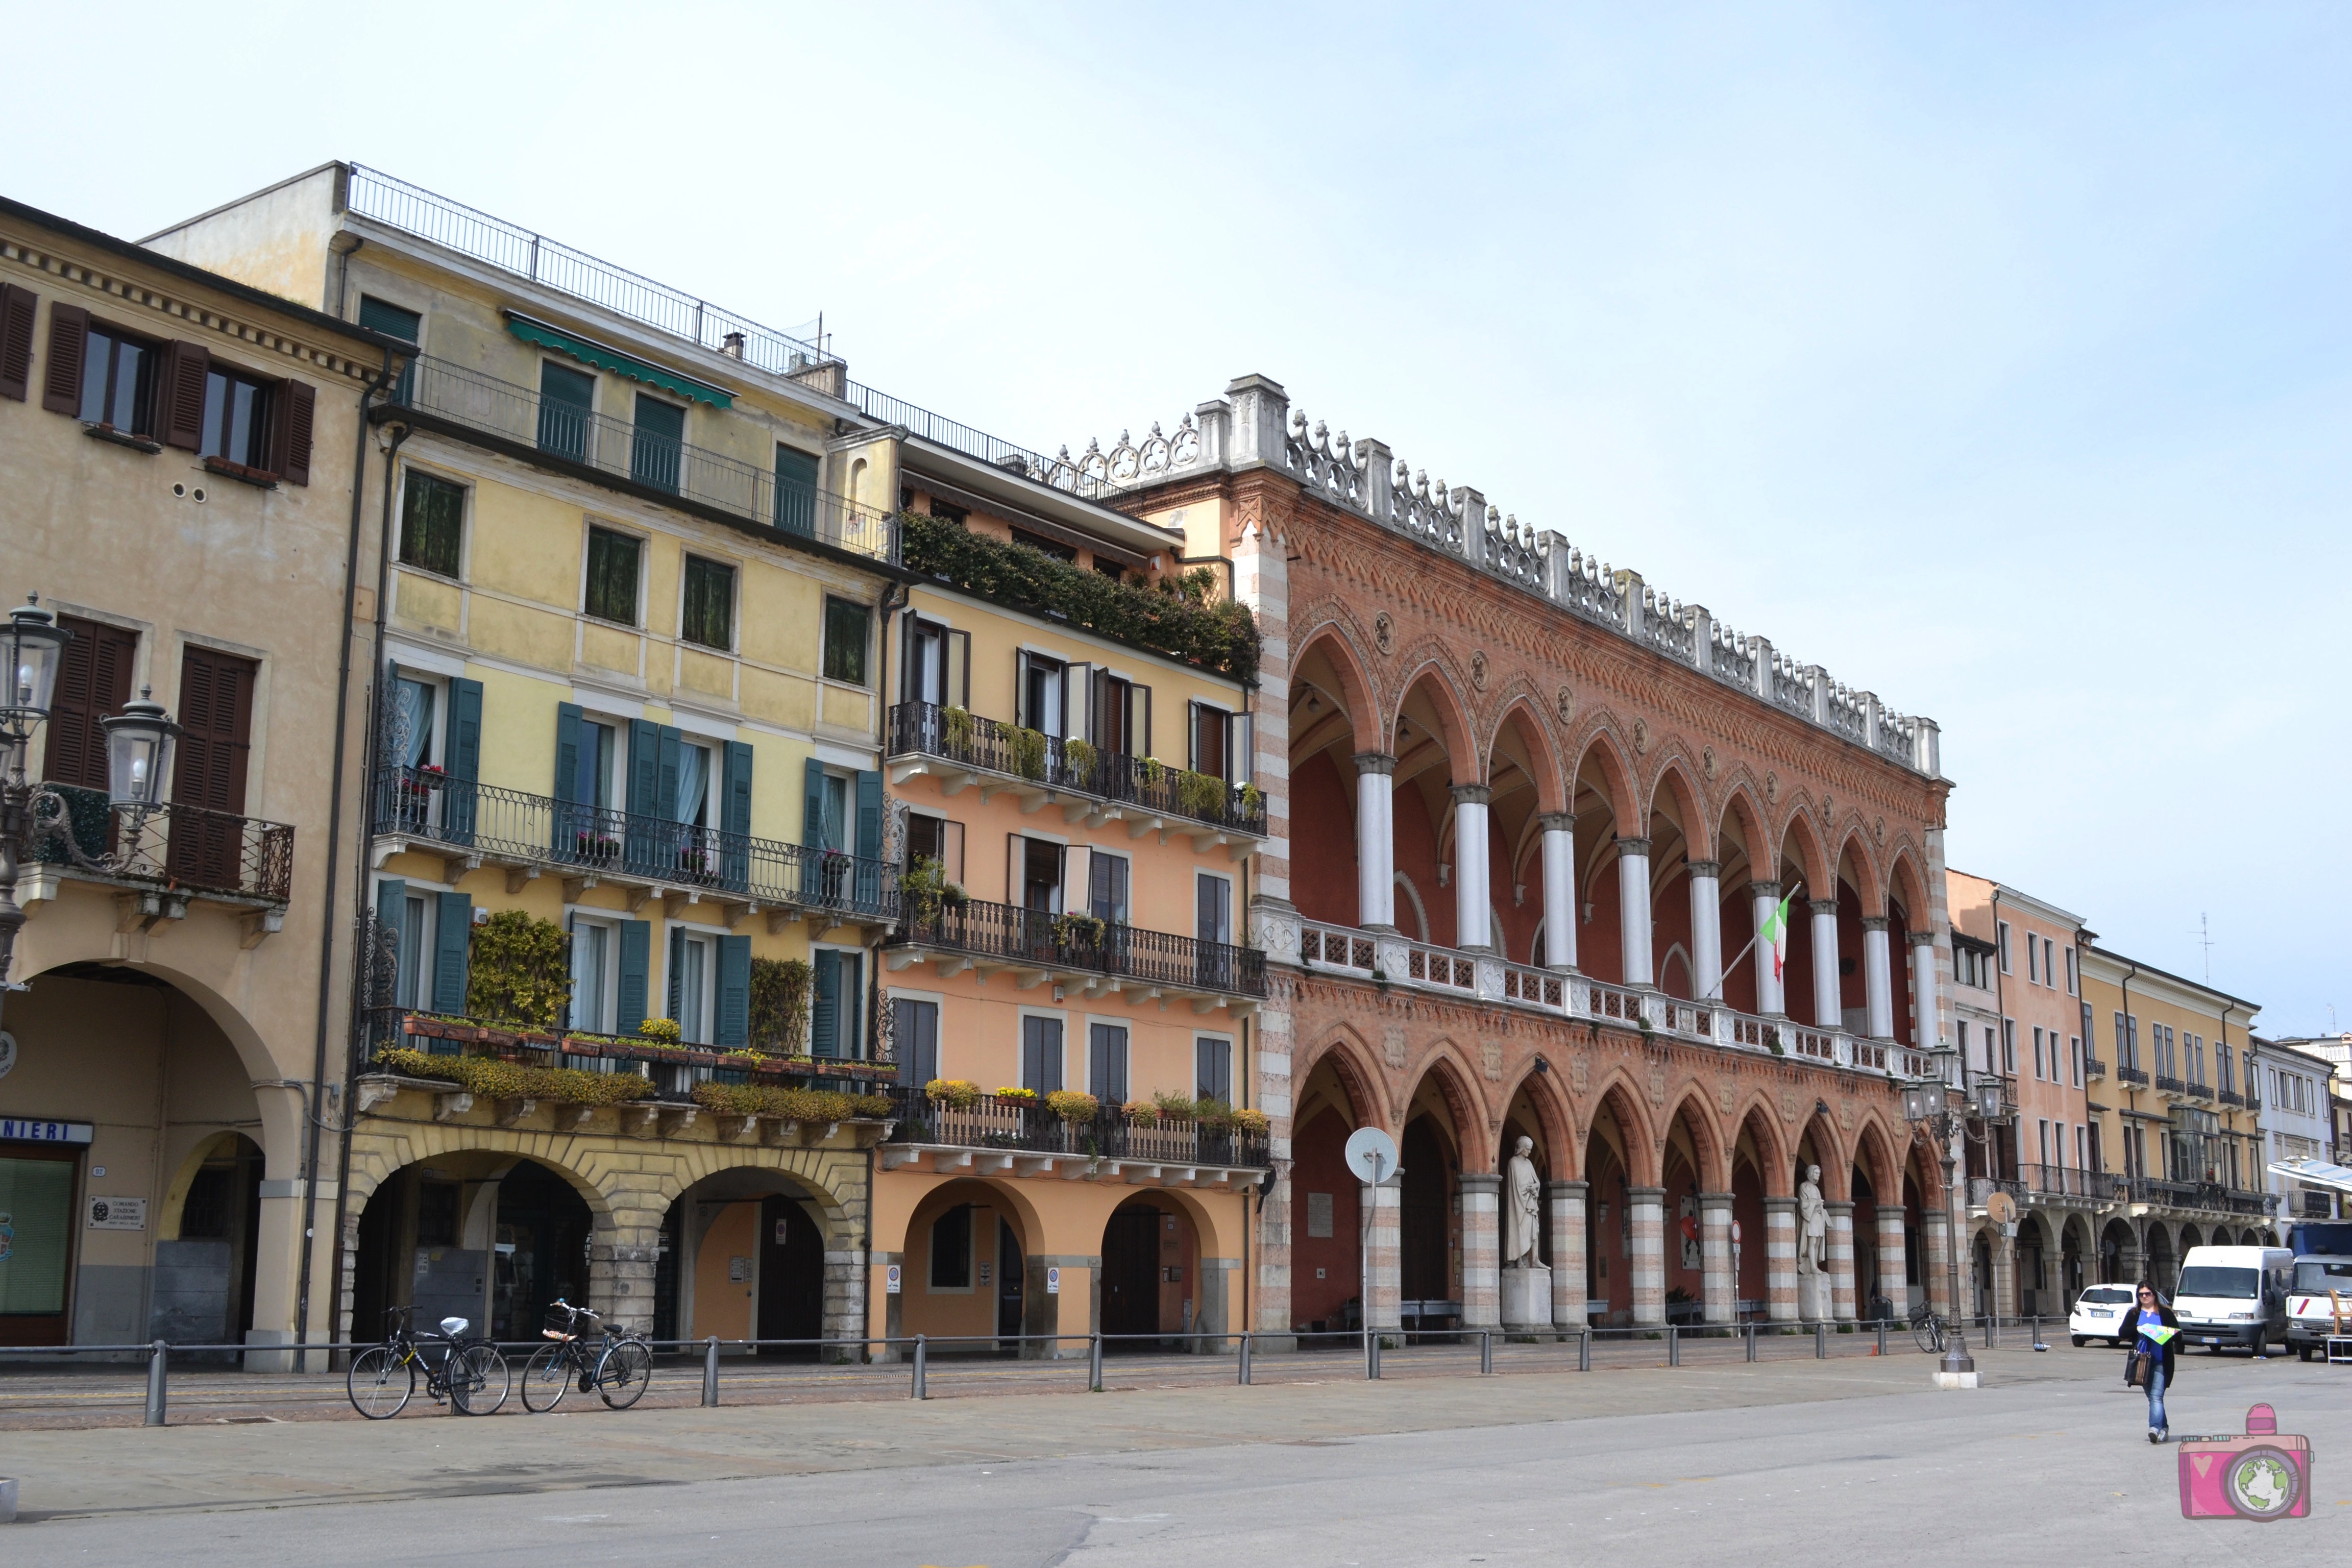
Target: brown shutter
<point>289,444</point>
<point>68,345</point>
<point>180,395</point>
<point>16,307</point>
<point>216,718</point>
<point>93,683</point>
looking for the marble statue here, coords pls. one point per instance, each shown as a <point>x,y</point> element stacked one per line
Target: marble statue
<point>1522,1209</point>
<point>1813,1224</point>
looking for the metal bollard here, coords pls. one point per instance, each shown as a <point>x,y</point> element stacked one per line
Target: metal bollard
<point>1486,1352</point>
<point>1244,1371</point>
<point>1748,1333</point>
<point>1584,1351</point>
<point>1094,1363</point>
<point>1822,1341</point>
<point>710,1372</point>
<point>1373,1357</point>
<point>1882,1336</point>
<point>919,1391</point>
<point>157,1370</point>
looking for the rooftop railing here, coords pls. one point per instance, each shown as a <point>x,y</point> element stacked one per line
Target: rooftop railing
<point>176,849</point>
<point>1081,945</point>
<point>597,844</point>
<point>517,414</point>
<point>1035,1129</point>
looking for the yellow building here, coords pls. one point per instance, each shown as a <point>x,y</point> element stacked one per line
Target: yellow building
<point>2174,1102</point>
<point>1070,741</point>
<point>178,457</point>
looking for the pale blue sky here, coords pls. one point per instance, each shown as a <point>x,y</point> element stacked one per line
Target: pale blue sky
<point>1993,356</point>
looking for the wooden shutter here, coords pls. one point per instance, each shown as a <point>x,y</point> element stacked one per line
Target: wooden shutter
<point>676,983</point>
<point>951,850</point>
<point>93,683</point>
<point>217,719</point>
<point>644,767</point>
<point>665,773</point>
<point>16,311</point>
<point>1077,684</point>
<point>1077,878</point>
<point>458,798</point>
<point>453,934</point>
<point>869,842</point>
<point>635,975</point>
<point>851,990</point>
<point>1022,717</point>
<point>959,670</point>
<point>179,416</point>
<point>1241,758</point>
<point>289,439</point>
<point>824,1013</point>
<point>391,904</point>
<point>735,814</point>
<point>68,347</point>
<point>732,1015</point>
<point>1016,857</point>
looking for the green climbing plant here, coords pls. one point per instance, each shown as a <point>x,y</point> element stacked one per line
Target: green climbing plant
<point>518,971</point>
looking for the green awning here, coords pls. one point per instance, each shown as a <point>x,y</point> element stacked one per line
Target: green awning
<point>588,352</point>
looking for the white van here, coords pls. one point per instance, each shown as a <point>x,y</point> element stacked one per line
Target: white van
<point>2234,1296</point>
<point>2310,1305</point>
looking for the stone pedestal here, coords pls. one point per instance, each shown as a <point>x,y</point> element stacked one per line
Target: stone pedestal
<point>1815,1302</point>
<point>1527,1299</point>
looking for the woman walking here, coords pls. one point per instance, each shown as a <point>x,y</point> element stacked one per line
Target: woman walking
<point>2152,1357</point>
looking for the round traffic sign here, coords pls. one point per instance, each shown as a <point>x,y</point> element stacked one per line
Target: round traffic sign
<point>1371,1155</point>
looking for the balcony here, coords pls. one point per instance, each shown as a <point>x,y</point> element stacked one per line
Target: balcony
<point>2170,1085</point>
<point>470,825</point>
<point>1981,1188</point>
<point>1092,958</point>
<point>2093,1069</point>
<point>2205,1197</point>
<point>2199,1091</point>
<point>2066,1182</point>
<point>2133,1075</point>
<point>165,854</point>
<point>961,749</point>
<point>521,418</point>
<point>2233,1097</point>
<point>1386,960</point>
<point>1031,1140</point>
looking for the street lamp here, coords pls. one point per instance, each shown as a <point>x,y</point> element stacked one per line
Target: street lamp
<point>1929,1106</point>
<point>138,741</point>
<point>33,643</point>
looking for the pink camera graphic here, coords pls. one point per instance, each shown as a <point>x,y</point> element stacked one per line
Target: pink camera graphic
<point>2261,1476</point>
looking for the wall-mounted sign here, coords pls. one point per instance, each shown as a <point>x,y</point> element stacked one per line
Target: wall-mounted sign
<point>891,1280</point>
<point>26,1130</point>
<point>1053,1282</point>
<point>8,1052</point>
<point>118,1213</point>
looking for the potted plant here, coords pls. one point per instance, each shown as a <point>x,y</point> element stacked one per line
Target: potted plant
<point>1174,1107</point>
<point>955,1093</point>
<point>1142,1113</point>
<point>1078,928</point>
<point>596,849</point>
<point>1029,754</point>
<point>960,728</point>
<point>1073,1106</point>
<point>660,1031</point>
<point>1015,1098</point>
<point>1256,1123</point>
<point>1078,758</point>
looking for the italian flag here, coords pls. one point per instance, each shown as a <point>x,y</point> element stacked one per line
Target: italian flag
<point>1775,934</point>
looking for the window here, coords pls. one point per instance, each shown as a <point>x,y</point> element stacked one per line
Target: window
<point>612,560</point>
<point>844,640</point>
<point>413,720</point>
<point>2001,944</point>
<point>1107,1063</point>
<point>2009,1046</point>
<point>936,838</point>
<point>657,443</point>
<point>693,974</point>
<point>2032,960</point>
<point>2045,1130</point>
<point>432,523</point>
<point>600,745</point>
<point>1211,728</point>
<point>1107,898</point>
<point>795,491</point>
<point>710,616</point>
<point>2037,1057</point>
<point>2075,1057</point>
<point>566,400</point>
<point>93,683</point>
<point>594,946</point>
<point>2073,974</point>
<point>1037,693</point>
<point>236,418</point>
<point>412,982</point>
<point>1121,716</point>
<point>118,382</point>
<point>1212,1068</point>
<point>833,824</point>
<point>915,1026</point>
<point>1212,908</point>
<point>926,673</point>
<point>36,1188</point>
<point>951,1250</point>
<point>1041,1054</point>
<point>1038,542</point>
<point>836,1017</point>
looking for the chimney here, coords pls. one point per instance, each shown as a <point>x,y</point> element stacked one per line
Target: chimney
<point>731,345</point>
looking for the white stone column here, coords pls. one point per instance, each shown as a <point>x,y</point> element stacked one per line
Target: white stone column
<point>1559,891</point>
<point>1892,1262</point>
<point>1384,1271</point>
<point>1706,931</point>
<point>1878,978</point>
<point>1569,1285</point>
<point>1924,1032</point>
<point>1781,1259</point>
<point>1721,1289</point>
<point>1646,1209</point>
<point>1841,1261</point>
<point>1766,896</point>
<point>1375,842</point>
<point>1633,903</point>
<point>1482,1251</point>
<point>1473,905</point>
<point>1828,1012</point>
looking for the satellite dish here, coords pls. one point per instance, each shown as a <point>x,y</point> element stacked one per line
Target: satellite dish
<point>1371,1155</point>
<point>2000,1208</point>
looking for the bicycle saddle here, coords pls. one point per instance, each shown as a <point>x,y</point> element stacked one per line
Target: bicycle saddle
<point>453,1326</point>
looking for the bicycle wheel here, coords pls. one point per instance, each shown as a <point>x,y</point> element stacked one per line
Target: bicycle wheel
<point>623,1373</point>
<point>546,1378</point>
<point>380,1382</point>
<point>1930,1334</point>
<point>478,1378</point>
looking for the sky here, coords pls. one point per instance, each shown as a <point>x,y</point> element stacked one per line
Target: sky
<point>1993,356</point>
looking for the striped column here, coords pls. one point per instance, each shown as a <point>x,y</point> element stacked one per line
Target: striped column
<point>1938,1262</point>
<point>1892,1236</point>
<point>1781,1259</point>
<point>2004,1276</point>
<point>1841,1262</point>
<point>1722,1290</point>
<point>1569,1288</point>
<point>1385,1273</point>
<point>1646,1209</point>
<point>1482,1251</point>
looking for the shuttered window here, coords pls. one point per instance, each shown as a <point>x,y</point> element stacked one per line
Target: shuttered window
<point>1041,1054</point>
<point>93,683</point>
<point>795,491</point>
<point>117,380</point>
<point>710,614</point>
<point>916,1027</point>
<point>432,523</point>
<point>1212,1068</point>
<point>237,418</point>
<point>17,307</point>
<point>394,322</point>
<point>846,624</point>
<point>613,567</point>
<point>1107,1063</point>
<point>565,397</point>
<point>658,443</point>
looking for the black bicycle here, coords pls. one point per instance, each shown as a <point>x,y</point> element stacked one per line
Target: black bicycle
<point>616,1368</point>
<point>468,1372</point>
<point>1927,1328</point>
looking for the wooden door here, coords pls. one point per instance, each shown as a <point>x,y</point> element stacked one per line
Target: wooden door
<point>216,722</point>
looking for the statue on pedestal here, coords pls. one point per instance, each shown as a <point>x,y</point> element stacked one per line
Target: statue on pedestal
<point>1522,1209</point>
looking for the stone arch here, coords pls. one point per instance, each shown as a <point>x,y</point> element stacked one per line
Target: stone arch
<point>1336,641</point>
<point>1801,839</point>
<point>1351,1063</point>
<point>1600,745</point>
<point>1673,776</point>
<point>1538,1079</point>
<point>1522,715</point>
<point>1873,1152</point>
<point>1831,1152</point>
<point>1712,1150</point>
<point>1739,803</point>
<point>1621,1098</point>
<point>1854,847</point>
<point>1474,1129</point>
<point>1905,886</point>
<point>1430,669</point>
<point>1774,1152</point>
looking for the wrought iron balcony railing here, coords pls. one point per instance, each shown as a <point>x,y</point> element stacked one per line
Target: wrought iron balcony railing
<point>599,843</point>
<point>1036,1130</point>
<point>1032,939</point>
<point>2093,1069</point>
<point>176,849</point>
<point>2170,1085</point>
<point>2232,1097</point>
<point>990,745</point>
<point>2070,1182</point>
<point>2131,1076</point>
<point>674,1071</point>
<point>518,415</point>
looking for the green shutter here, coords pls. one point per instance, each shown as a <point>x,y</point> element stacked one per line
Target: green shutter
<point>824,1017</point>
<point>665,773</point>
<point>453,932</point>
<point>795,491</point>
<point>642,842</point>
<point>735,814</point>
<point>457,795</point>
<point>850,1039</point>
<point>568,736</point>
<point>734,1009</point>
<point>868,841</point>
<point>677,987</point>
<point>636,961</point>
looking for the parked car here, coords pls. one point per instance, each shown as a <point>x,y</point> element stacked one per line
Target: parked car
<point>2234,1296</point>
<point>2311,1316</point>
<point>2101,1312</point>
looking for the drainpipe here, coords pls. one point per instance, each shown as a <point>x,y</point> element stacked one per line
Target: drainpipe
<point>894,597</point>
<point>377,382</point>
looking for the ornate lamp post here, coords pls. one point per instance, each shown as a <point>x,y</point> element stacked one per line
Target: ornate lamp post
<point>1930,1105</point>
<point>138,752</point>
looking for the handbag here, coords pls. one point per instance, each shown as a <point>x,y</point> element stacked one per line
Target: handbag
<point>2138,1371</point>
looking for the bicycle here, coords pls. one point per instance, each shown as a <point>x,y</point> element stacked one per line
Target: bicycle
<point>617,1372</point>
<point>472,1375</point>
<point>1928,1328</point>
